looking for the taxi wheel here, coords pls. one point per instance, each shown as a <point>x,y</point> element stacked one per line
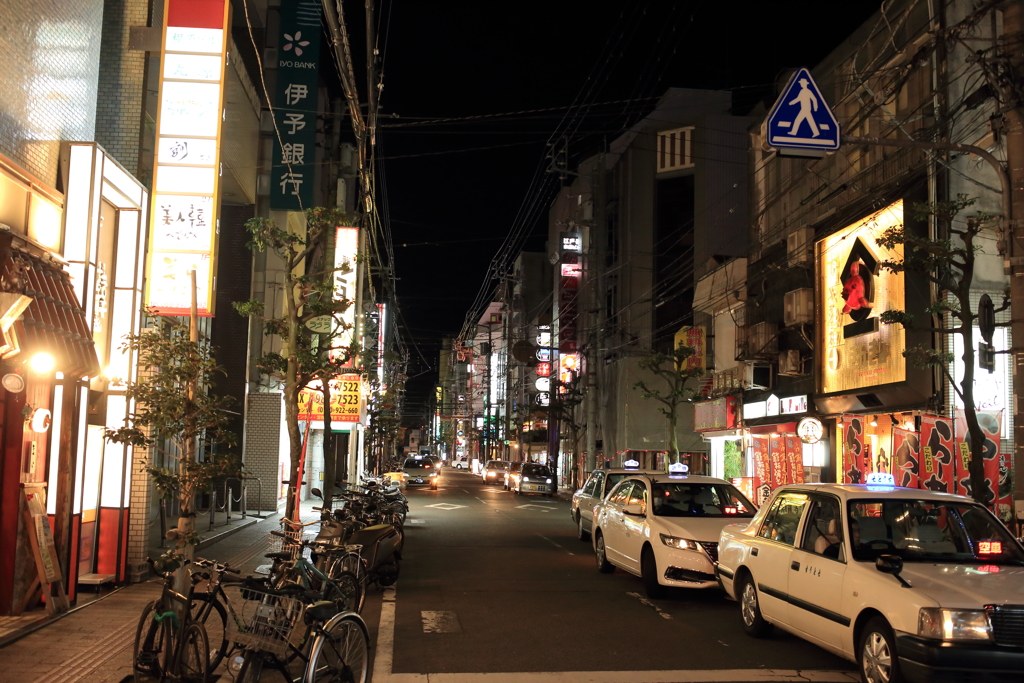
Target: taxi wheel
<point>581,533</point>
<point>877,653</point>
<point>649,573</point>
<point>603,565</point>
<point>750,609</point>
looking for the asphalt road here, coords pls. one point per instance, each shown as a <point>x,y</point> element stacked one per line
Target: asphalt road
<point>496,587</point>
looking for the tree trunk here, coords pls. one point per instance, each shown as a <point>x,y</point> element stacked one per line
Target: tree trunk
<point>330,461</point>
<point>673,439</point>
<point>979,489</point>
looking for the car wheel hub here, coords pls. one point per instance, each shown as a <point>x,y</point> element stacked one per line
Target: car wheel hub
<point>876,659</point>
<point>749,604</point>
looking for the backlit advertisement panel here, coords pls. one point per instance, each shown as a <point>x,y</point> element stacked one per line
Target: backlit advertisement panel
<point>854,290</point>
<point>346,248</point>
<point>183,236</point>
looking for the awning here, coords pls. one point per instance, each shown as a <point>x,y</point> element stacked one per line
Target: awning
<point>722,287</point>
<point>54,322</point>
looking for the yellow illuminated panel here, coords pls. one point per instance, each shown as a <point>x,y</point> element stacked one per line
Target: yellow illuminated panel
<point>186,179</point>
<point>859,351</point>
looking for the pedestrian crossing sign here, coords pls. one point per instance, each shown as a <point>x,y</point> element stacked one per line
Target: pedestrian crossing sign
<point>801,118</point>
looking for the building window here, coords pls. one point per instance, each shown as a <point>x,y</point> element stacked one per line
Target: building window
<point>675,149</point>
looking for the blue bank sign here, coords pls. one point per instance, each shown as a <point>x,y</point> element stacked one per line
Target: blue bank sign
<point>801,118</point>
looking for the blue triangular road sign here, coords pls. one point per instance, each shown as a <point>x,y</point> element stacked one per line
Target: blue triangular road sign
<point>801,118</point>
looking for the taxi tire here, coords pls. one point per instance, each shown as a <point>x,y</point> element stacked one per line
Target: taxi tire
<point>649,574</point>
<point>758,627</point>
<point>581,533</point>
<point>877,641</point>
<point>603,565</point>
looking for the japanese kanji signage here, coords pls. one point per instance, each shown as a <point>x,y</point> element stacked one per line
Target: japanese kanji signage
<point>293,173</point>
<point>346,397</point>
<point>186,177</point>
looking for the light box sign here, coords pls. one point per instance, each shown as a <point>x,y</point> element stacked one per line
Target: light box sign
<point>854,290</point>
<point>187,174</point>
<point>293,171</point>
<point>346,400</point>
<point>346,248</point>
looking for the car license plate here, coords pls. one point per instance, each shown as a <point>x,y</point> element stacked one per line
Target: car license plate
<point>532,487</point>
<point>419,481</point>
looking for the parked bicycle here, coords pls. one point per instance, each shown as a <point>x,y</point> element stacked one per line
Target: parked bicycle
<point>170,646</point>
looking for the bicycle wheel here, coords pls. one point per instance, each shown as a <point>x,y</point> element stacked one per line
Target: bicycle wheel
<point>340,652</point>
<point>351,589</point>
<point>254,669</point>
<point>148,654</point>
<point>192,663</point>
<point>208,611</point>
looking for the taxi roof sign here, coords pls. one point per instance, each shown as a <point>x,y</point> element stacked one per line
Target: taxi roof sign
<point>801,118</point>
<point>631,464</point>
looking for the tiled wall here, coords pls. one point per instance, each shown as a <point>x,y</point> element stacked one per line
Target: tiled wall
<point>49,61</point>
<point>122,72</point>
<point>263,445</point>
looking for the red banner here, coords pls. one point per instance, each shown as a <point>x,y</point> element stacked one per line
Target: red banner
<point>795,458</point>
<point>762,468</point>
<point>991,423</point>
<point>1005,508</point>
<point>937,454</point>
<point>777,455</point>
<point>854,465</point>
<point>907,454</point>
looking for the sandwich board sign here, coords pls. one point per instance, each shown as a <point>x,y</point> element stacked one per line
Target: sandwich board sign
<point>800,122</point>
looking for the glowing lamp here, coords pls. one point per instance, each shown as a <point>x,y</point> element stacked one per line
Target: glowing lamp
<point>41,363</point>
<point>40,421</point>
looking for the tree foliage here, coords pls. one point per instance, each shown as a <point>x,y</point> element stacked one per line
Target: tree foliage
<point>673,374</point>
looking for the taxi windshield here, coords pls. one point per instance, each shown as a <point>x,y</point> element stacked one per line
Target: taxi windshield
<point>930,531</point>
<point>418,465</point>
<point>672,499</point>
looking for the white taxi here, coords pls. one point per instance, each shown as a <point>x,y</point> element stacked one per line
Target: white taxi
<point>909,584</point>
<point>665,528</point>
<point>593,491</point>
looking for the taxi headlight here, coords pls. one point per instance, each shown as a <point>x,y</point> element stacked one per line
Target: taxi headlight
<point>678,543</point>
<point>953,624</point>
<point>526,479</point>
<point>549,481</point>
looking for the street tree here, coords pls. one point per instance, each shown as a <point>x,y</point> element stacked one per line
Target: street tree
<point>673,374</point>
<point>311,293</point>
<point>177,417</point>
<point>949,264</point>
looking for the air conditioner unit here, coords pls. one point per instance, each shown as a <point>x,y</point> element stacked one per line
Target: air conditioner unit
<point>761,339</point>
<point>799,307</point>
<point>800,247</point>
<point>757,376</point>
<point>790,363</point>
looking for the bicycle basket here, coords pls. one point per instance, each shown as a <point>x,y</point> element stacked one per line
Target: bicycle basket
<point>263,620</point>
<point>281,545</point>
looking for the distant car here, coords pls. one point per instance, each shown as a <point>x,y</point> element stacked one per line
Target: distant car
<point>420,471</point>
<point>533,478</point>
<point>436,459</point>
<point>665,528</point>
<point>910,584</point>
<point>494,471</point>
<point>593,491</point>
<point>459,463</point>
<point>513,473</point>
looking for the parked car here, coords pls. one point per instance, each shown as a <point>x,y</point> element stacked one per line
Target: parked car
<point>513,473</point>
<point>533,478</point>
<point>593,491</point>
<point>494,471</point>
<point>420,471</point>
<point>459,463</point>
<point>909,584</point>
<point>665,528</point>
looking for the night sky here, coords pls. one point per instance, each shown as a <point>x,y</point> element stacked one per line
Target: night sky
<point>452,189</point>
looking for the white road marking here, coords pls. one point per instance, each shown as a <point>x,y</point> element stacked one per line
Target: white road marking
<point>645,601</point>
<point>444,506</point>
<point>440,622</point>
<point>531,505</point>
<point>415,521</point>
<point>555,544</point>
<point>385,636</point>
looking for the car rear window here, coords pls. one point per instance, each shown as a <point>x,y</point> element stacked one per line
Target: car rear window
<point>536,471</point>
<point>495,465</point>
<point>418,464</point>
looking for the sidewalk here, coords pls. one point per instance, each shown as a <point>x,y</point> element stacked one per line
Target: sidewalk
<point>94,643</point>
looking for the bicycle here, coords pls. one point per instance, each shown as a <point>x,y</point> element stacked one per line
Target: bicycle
<point>209,608</point>
<point>278,626</point>
<point>338,584</point>
<point>169,645</point>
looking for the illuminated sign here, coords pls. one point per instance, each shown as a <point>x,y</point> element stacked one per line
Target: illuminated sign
<point>717,414</point>
<point>794,404</point>
<point>543,369</point>
<point>695,338</point>
<point>880,479</point>
<point>568,364</point>
<point>543,384</point>
<point>346,248</point>
<point>631,464</point>
<point>543,398</point>
<point>677,469</point>
<point>544,355</point>
<point>853,291</point>
<point>810,430</point>
<point>186,178</point>
<point>571,270</point>
<point>572,241</point>
<point>346,400</point>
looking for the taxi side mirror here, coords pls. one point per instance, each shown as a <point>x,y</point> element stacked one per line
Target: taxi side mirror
<point>633,510</point>
<point>892,564</point>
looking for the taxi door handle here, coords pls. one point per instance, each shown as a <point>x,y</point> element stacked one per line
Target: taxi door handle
<point>795,566</point>
<point>753,551</point>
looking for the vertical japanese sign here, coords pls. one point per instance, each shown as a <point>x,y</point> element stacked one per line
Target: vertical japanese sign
<point>346,248</point>
<point>762,468</point>
<point>991,425</point>
<point>187,174</point>
<point>293,173</point>
<point>853,465</point>
<point>906,445</point>
<point>937,454</point>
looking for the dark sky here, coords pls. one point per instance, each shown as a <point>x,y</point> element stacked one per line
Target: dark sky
<point>453,189</point>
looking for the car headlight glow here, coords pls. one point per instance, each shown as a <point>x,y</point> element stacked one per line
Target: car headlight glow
<point>549,481</point>
<point>526,479</point>
<point>678,543</point>
<point>953,624</point>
